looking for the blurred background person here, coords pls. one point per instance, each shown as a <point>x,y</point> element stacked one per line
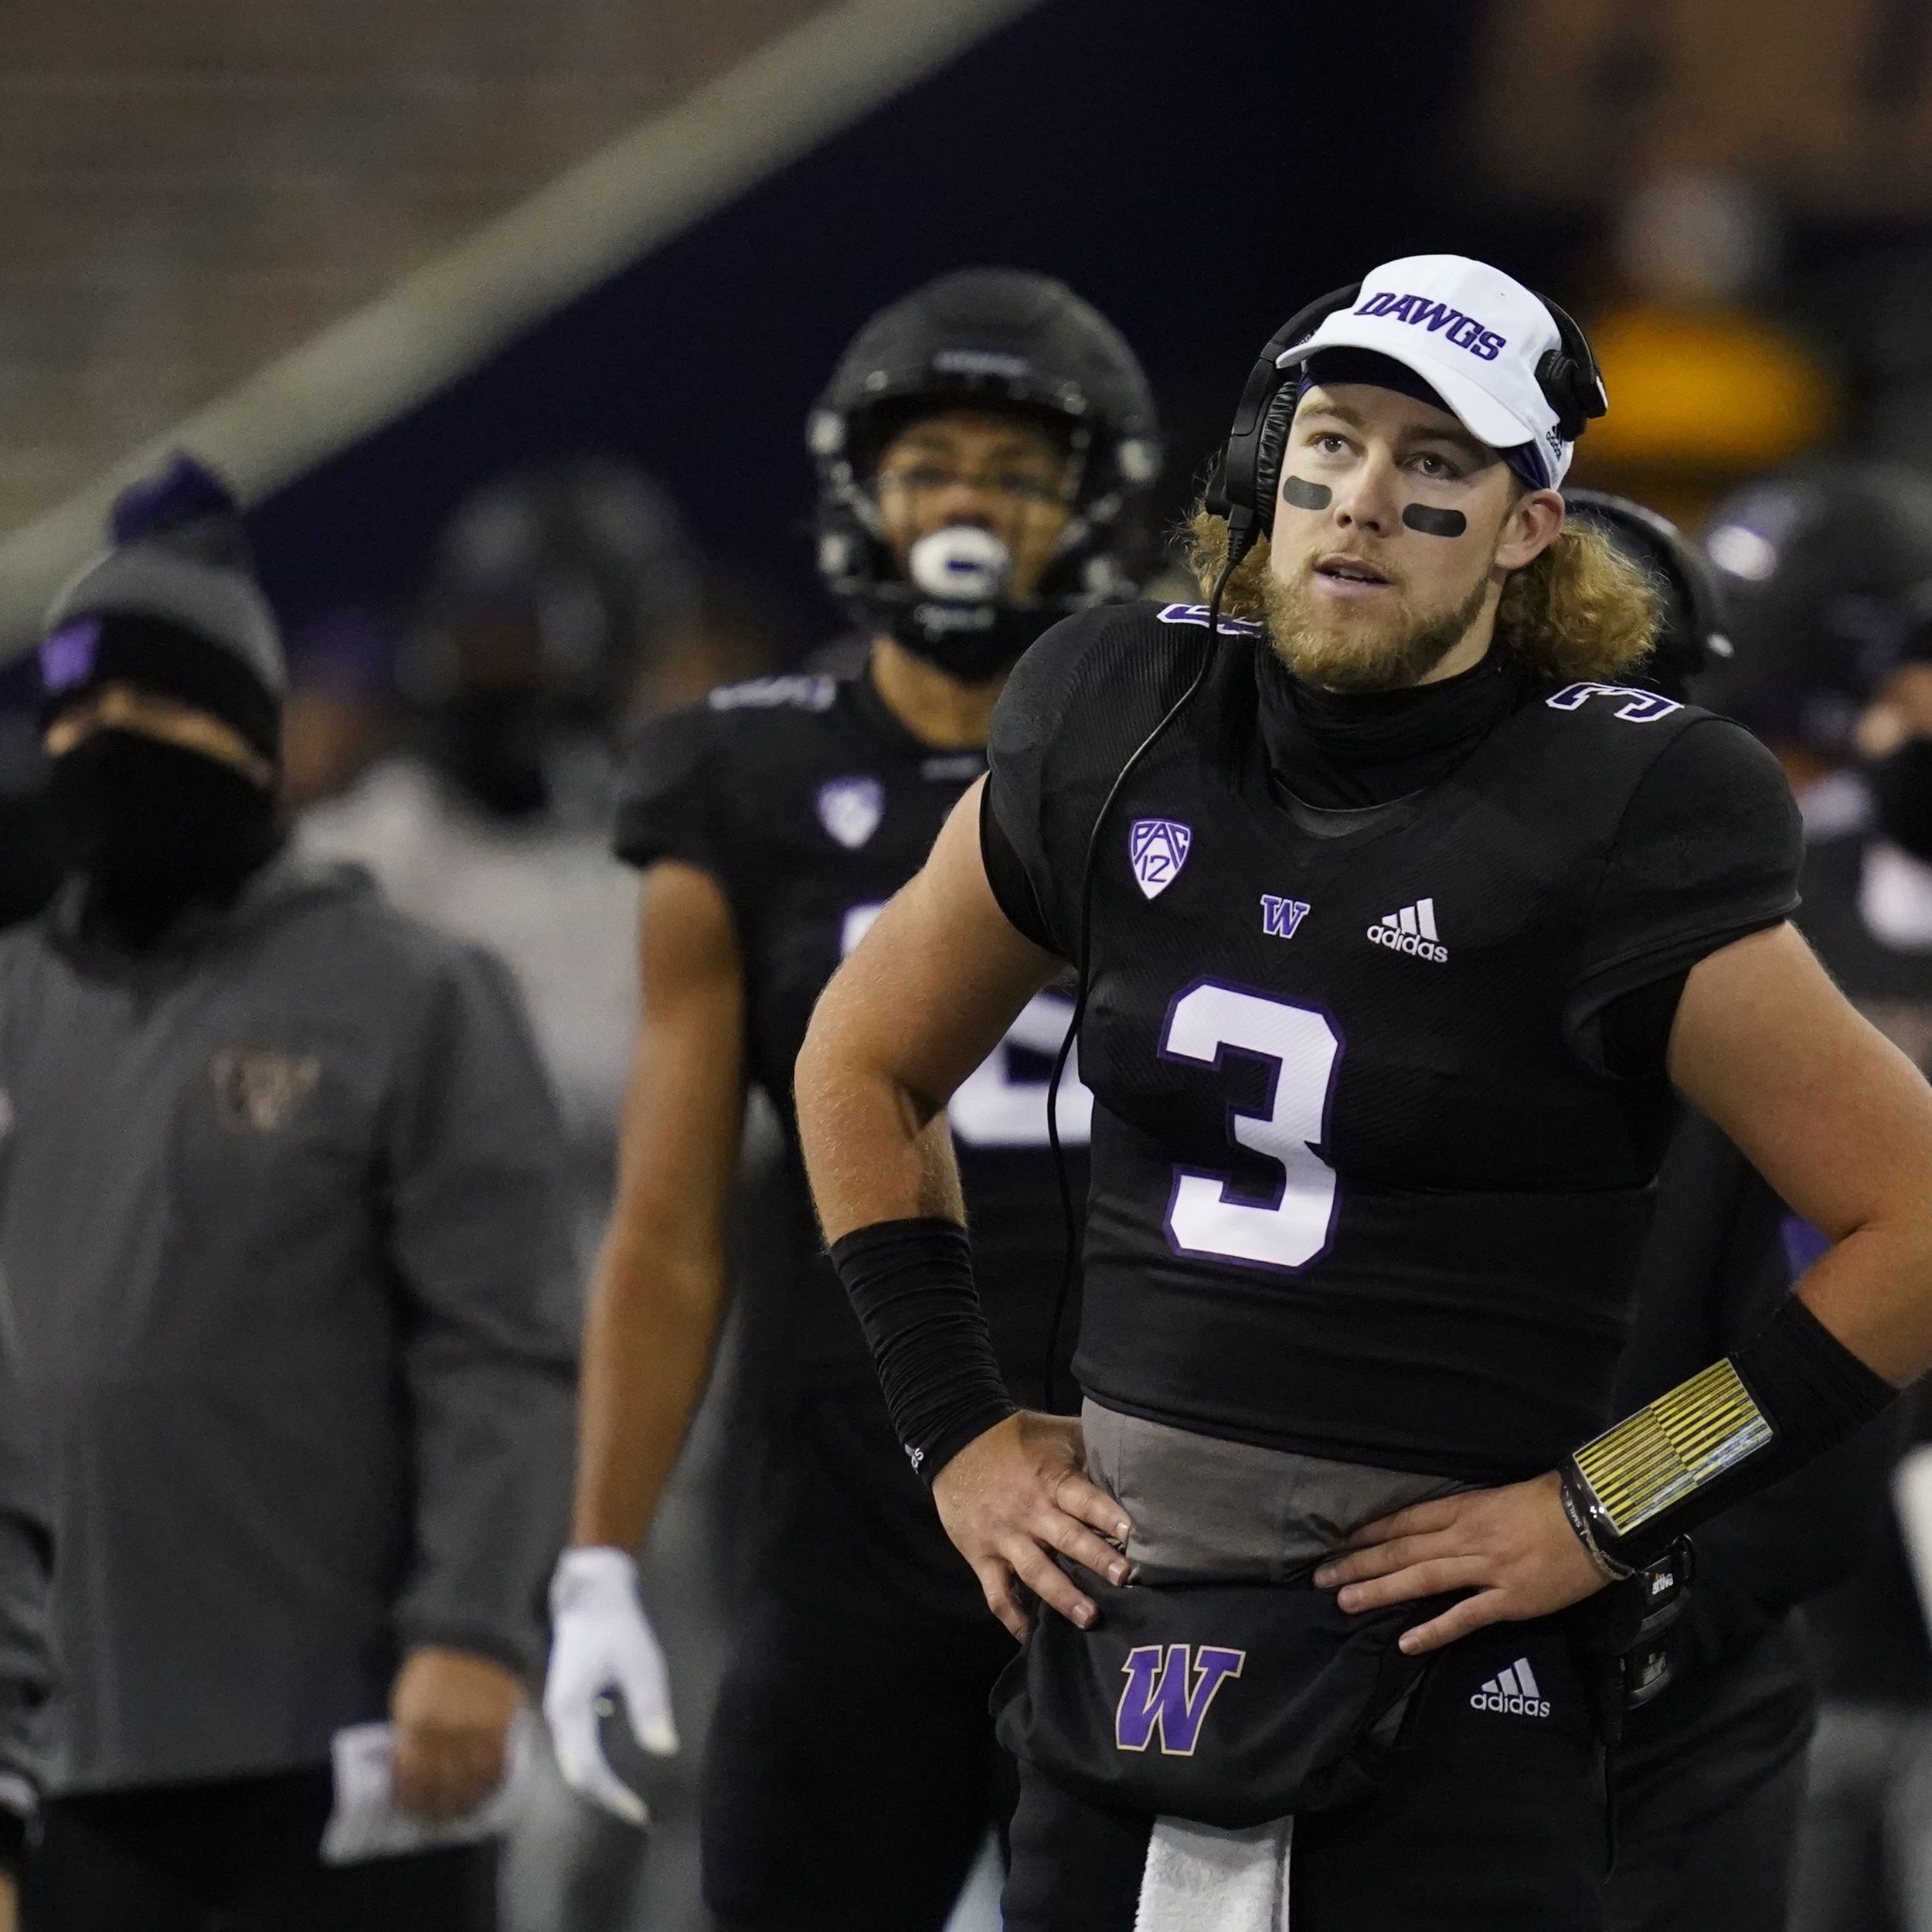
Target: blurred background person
<point>976,448</point>
<point>1708,1773</point>
<point>284,1251</point>
<point>1825,568</point>
<point>554,597</point>
<point>343,712</point>
<point>29,867</point>
<point>26,1552</point>
<point>566,604</point>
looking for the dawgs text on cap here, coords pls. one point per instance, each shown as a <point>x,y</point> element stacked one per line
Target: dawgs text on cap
<point>1471,333</point>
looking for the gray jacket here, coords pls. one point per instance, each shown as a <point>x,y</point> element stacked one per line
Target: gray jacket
<point>25,1549</point>
<point>282,1236</point>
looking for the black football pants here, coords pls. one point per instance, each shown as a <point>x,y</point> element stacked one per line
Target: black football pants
<point>1492,1822</point>
<point>236,1856</point>
<point>1708,1782</point>
<point>852,1772</point>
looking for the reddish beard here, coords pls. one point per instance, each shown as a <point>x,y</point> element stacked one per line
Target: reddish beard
<point>1346,650</point>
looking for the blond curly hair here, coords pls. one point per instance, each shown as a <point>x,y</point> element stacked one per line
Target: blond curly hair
<point>1579,611</point>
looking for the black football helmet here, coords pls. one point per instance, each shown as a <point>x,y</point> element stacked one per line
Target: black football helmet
<point>999,338</point>
<point>1690,631</point>
<point>587,559</point>
<point>1825,570</point>
<point>553,588</point>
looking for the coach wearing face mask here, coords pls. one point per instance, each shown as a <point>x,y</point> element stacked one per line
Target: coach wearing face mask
<point>282,1240</point>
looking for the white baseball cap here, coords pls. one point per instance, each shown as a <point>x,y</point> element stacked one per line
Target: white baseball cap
<point>1473,334</point>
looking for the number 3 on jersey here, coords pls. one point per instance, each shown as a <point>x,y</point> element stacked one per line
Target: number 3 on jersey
<point>1205,1021</point>
<point>996,1104</point>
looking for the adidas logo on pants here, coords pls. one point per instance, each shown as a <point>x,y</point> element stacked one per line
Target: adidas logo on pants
<point>1512,1691</point>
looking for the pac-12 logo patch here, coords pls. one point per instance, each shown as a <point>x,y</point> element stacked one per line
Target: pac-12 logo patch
<point>1158,848</point>
<point>851,808</point>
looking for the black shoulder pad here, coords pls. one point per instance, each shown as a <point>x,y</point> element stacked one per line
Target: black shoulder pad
<point>668,805</point>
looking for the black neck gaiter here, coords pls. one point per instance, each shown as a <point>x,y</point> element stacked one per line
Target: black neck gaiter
<point>1344,750</point>
<point>153,828</point>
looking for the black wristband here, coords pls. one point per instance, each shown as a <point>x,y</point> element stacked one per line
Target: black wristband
<point>1789,1393</point>
<point>910,1284</point>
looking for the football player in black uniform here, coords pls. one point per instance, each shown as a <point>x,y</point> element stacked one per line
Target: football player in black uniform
<point>1708,1770</point>
<point>1399,916</point>
<point>1827,572</point>
<point>977,449</point>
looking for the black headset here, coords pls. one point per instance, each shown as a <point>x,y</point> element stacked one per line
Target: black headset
<point>1241,488</point>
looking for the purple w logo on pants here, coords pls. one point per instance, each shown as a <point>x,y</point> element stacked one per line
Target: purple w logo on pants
<point>1172,1695</point>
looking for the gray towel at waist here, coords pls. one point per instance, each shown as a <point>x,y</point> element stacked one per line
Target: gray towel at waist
<point>1204,1508</point>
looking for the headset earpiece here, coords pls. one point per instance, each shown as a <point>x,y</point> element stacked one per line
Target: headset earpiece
<point>1569,377</point>
<point>1244,482</point>
<point>1269,446</point>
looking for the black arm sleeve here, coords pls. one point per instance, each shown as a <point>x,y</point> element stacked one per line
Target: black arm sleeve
<point>1708,852</point>
<point>910,1283</point>
<point>672,801</point>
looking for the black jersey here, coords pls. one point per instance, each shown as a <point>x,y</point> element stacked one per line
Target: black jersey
<point>811,805</point>
<point>1358,1189</point>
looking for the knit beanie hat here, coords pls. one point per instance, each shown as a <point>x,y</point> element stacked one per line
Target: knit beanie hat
<point>174,608</point>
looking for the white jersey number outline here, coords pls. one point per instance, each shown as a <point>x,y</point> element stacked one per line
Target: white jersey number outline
<point>1204,1022</point>
<point>995,1106</point>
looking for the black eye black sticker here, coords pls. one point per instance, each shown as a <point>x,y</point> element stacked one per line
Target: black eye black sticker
<point>1305,495</point>
<point>1433,522</point>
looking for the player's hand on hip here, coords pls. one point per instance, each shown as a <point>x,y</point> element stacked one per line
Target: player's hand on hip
<point>603,1641</point>
<point>451,1712</point>
<point>1513,1548</point>
<point>1016,1494</point>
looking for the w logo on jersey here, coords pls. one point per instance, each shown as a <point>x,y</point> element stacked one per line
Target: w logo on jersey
<point>1157,849</point>
<point>1171,1694</point>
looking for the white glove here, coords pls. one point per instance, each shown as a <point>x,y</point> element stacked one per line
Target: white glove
<point>602,1641</point>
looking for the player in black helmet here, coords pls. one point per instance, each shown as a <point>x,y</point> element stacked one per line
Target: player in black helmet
<point>1690,641</point>
<point>977,447</point>
<point>1400,913</point>
<point>1708,1769</point>
<point>1827,572</point>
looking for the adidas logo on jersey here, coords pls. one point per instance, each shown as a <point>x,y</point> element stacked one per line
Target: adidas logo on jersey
<point>1514,1692</point>
<point>1411,930</point>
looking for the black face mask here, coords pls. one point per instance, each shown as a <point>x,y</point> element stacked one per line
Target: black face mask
<point>973,642</point>
<point>494,750</point>
<point>153,828</point>
<point>1902,794</point>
